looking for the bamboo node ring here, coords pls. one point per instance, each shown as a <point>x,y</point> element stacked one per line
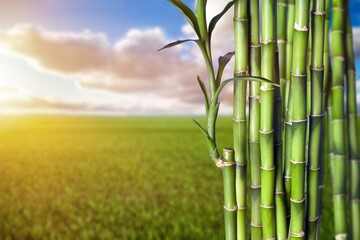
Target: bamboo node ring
<point>296,162</point>
<point>355,160</point>
<point>241,19</point>
<point>338,9</point>
<point>266,132</point>
<point>288,123</point>
<point>340,58</point>
<point>281,41</point>
<point>255,225</point>
<point>287,177</point>
<point>268,41</point>
<point>317,115</point>
<point>255,45</point>
<point>282,4</point>
<point>254,142</point>
<point>313,219</point>
<point>279,193</point>
<point>255,186</point>
<point>298,74</point>
<point>239,164</point>
<point>241,208</point>
<point>317,69</point>
<point>267,207</point>
<point>238,120</point>
<point>319,12</point>
<point>297,201</point>
<point>230,209</point>
<point>355,200</point>
<point>313,169</point>
<point>263,88</point>
<point>341,236</point>
<point>299,120</point>
<point>267,169</point>
<point>221,164</point>
<point>298,235</point>
<point>338,87</point>
<point>256,97</point>
<point>300,28</point>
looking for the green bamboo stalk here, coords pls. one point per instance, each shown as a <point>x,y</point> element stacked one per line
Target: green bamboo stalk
<point>299,118</point>
<point>352,130</point>
<point>228,168</point>
<point>327,111</point>
<point>316,116</point>
<point>239,111</point>
<point>280,204</point>
<point>268,45</point>
<point>254,122</point>
<point>281,45</point>
<point>338,121</point>
<point>288,104</point>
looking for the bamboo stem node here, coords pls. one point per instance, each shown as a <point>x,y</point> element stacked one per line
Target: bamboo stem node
<point>238,120</point>
<point>241,73</point>
<point>298,74</point>
<point>317,69</point>
<point>230,209</point>
<point>298,235</point>
<point>300,28</point>
<point>255,225</point>
<point>268,41</point>
<point>282,4</point>
<point>355,160</point>
<point>256,97</point>
<point>267,169</point>
<point>239,164</point>
<point>296,162</point>
<point>313,219</point>
<point>221,163</point>
<point>341,236</point>
<point>255,186</point>
<point>266,207</point>
<point>299,120</point>
<point>297,201</point>
<point>255,45</point>
<point>264,88</point>
<point>316,115</point>
<point>240,19</point>
<point>319,12</point>
<point>281,41</point>
<point>313,169</point>
<point>266,132</point>
<point>340,9</point>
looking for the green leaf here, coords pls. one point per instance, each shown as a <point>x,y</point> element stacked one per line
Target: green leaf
<point>203,89</point>
<point>173,44</point>
<point>201,128</point>
<point>188,14</point>
<point>242,78</point>
<point>201,18</point>
<point>215,20</point>
<point>223,61</point>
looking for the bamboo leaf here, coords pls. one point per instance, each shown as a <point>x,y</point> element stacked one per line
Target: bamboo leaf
<point>201,128</point>
<point>188,14</point>
<point>242,78</point>
<point>173,44</point>
<point>215,20</point>
<point>203,89</point>
<point>223,61</point>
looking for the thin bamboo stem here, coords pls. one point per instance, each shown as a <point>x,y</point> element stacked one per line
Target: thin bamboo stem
<point>268,46</point>
<point>299,118</point>
<point>352,130</point>
<point>254,122</point>
<point>229,194</point>
<point>239,111</point>
<point>338,121</point>
<point>316,116</point>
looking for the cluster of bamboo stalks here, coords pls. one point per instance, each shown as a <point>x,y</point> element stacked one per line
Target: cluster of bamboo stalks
<point>298,93</point>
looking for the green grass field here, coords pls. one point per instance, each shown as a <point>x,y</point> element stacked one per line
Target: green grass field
<point>111,178</point>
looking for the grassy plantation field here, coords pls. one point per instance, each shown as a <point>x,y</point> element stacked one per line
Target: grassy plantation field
<point>111,178</point>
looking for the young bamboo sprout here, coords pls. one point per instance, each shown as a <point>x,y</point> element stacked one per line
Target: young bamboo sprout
<point>352,130</point>
<point>338,120</point>
<point>299,118</point>
<point>254,122</point>
<point>268,45</point>
<point>316,116</point>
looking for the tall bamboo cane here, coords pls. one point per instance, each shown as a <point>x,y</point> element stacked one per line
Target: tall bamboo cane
<point>239,112</point>
<point>288,103</point>
<point>352,130</point>
<point>254,122</point>
<point>268,45</point>
<point>316,116</point>
<point>299,118</point>
<point>280,204</point>
<point>338,121</point>
<point>327,152</point>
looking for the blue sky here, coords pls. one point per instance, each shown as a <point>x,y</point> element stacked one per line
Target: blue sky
<point>100,56</point>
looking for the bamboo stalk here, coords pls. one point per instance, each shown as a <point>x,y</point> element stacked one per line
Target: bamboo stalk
<point>316,116</point>
<point>229,194</point>
<point>280,204</point>
<point>268,45</point>
<point>338,121</point>
<point>239,111</point>
<point>327,152</point>
<point>281,45</point>
<point>352,130</point>
<point>254,122</point>
<point>299,118</point>
<point>288,104</point>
